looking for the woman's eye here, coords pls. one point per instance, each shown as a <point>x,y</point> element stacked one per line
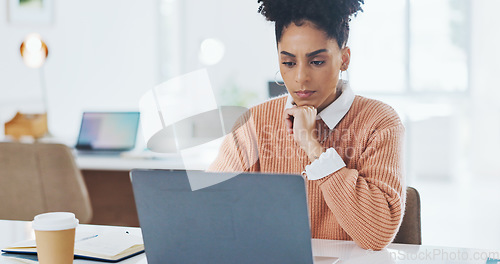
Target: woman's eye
<point>288,63</point>
<point>317,63</point>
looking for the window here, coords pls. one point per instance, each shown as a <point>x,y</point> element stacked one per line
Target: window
<point>410,46</point>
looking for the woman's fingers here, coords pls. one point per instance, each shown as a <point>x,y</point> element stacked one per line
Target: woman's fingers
<point>300,118</point>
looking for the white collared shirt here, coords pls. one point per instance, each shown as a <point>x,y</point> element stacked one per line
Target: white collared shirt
<point>329,161</point>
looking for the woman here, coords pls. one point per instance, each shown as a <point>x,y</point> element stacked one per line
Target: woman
<point>347,147</point>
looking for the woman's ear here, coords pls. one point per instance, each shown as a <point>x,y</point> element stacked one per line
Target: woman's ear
<point>346,58</point>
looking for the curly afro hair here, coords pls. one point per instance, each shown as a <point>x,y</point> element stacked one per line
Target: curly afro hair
<point>331,16</point>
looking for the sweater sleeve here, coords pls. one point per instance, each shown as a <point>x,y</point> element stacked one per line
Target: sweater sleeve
<point>369,201</point>
<point>239,150</point>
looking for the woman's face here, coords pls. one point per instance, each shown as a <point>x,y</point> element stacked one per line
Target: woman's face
<point>310,63</point>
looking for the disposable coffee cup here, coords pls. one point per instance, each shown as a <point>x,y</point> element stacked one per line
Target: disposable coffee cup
<point>55,237</point>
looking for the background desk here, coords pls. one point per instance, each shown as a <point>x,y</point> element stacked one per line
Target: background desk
<point>110,189</point>
<point>349,253</point>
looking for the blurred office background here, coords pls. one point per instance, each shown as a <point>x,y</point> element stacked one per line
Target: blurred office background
<point>434,61</point>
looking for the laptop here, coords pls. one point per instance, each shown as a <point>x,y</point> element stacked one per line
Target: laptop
<point>250,218</point>
<point>107,132</point>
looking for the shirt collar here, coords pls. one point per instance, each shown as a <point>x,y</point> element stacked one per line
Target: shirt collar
<point>333,113</point>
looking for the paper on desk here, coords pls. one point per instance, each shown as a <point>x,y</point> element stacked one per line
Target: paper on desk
<point>24,244</point>
<point>109,244</point>
<point>32,243</point>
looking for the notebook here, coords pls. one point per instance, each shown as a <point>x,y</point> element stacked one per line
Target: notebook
<point>249,218</point>
<point>109,247</point>
<point>107,132</point>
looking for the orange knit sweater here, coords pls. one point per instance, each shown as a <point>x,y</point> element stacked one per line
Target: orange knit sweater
<point>363,201</point>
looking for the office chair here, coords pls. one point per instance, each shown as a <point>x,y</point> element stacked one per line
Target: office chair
<point>38,178</point>
<point>410,231</point>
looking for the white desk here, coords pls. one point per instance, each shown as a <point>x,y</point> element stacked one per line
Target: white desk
<point>116,163</point>
<point>349,253</point>
<point>126,162</point>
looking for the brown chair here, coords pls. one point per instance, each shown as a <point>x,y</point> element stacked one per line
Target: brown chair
<point>410,231</point>
<point>38,178</point>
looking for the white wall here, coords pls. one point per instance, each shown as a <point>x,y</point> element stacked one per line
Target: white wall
<point>484,113</point>
<point>250,59</point>
<point>103,55</point>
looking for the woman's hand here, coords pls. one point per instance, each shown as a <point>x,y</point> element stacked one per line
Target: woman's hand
<point>301,122</point>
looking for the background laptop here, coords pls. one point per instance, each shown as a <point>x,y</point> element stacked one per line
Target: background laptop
<point>251,218</point>
<point>107,132</point>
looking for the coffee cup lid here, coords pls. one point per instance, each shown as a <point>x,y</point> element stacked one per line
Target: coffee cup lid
<point>55,221</point>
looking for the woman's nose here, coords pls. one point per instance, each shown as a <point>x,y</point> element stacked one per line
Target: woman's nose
<point>302,75</point>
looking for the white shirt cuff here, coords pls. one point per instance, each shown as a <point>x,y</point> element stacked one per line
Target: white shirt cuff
<point>327,163</point>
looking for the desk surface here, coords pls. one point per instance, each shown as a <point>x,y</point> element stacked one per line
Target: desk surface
<point>117,163</point>
<point>349,253</point>
<point>145,160</point>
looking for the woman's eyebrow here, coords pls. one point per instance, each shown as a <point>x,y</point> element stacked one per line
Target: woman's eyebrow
<point>314,53</point>
<point>287,54</point>
<point>311,54</point>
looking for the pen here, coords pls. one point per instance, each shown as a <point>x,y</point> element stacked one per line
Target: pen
<point>86,238</point>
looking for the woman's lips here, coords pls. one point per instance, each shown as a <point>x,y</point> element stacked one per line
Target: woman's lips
<point>304,94</point>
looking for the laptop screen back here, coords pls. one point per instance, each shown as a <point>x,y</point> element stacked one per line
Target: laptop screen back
<point>250,218</point>
<point>108,131</point>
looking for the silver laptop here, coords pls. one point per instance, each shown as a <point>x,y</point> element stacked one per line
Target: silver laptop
<point>250,218</point>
